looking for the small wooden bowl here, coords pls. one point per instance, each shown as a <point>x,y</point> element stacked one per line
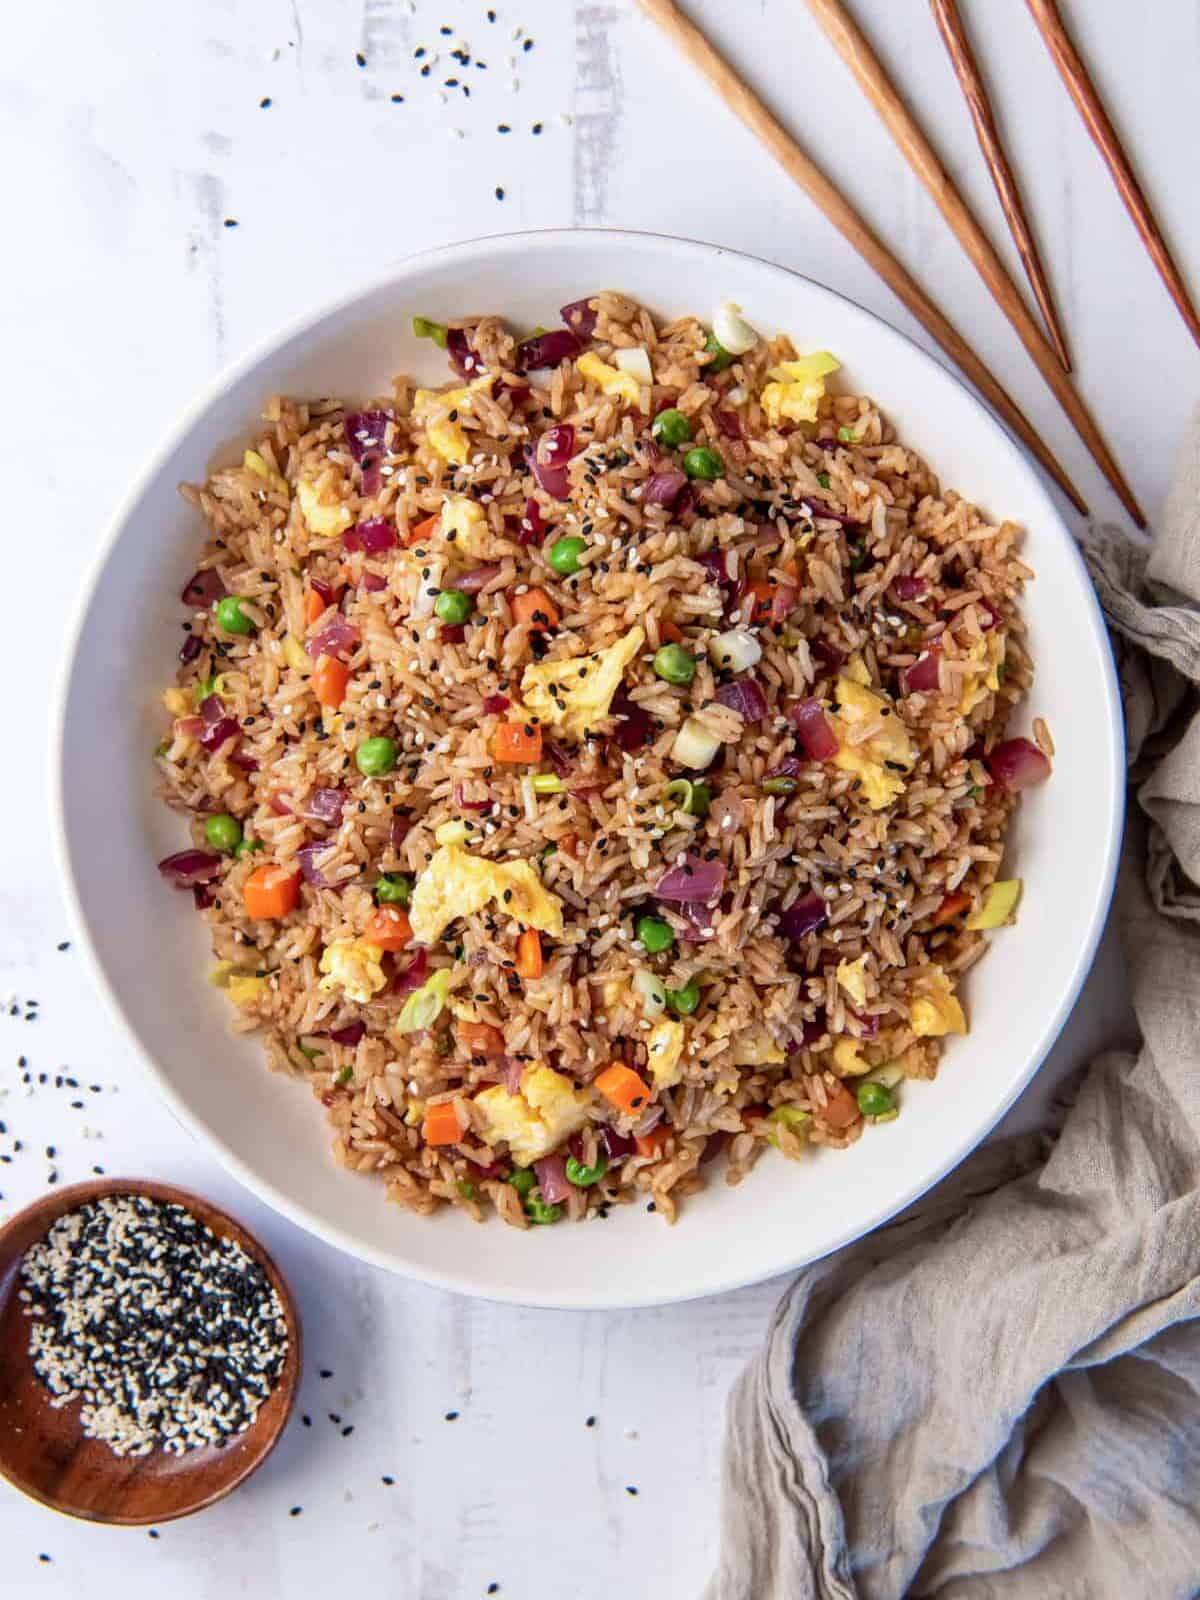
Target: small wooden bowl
<point>43,1450</point>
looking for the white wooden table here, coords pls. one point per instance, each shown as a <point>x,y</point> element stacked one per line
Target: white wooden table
<point>133,133</point>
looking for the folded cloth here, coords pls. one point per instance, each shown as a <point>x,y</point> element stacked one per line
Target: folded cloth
<point>999,1394</point>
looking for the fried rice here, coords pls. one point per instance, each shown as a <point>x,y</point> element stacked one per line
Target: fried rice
<point>670,834</point>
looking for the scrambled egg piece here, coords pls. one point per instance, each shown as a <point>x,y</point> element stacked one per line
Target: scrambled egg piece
<point>874,760</point>
<point>856,670</point>
<point>177,701</point>
<point>937,1013</point>
<point>325,521</point>
<point>852,975</point>
<point>796,387</point>
<point>756,1048</point>
<point>610,379</point>
<point>255,463</point>
<point>355,967</point>
<point>547,1110</point>
<point>296,656</point>
<point>243,988</point>
<point>456,884</point>
<point>985,657</point>
<point>583,686</point>
<point>664,1043</point>
<point>848,1058</point>
<point>467,521</point>
<point>432,409</point>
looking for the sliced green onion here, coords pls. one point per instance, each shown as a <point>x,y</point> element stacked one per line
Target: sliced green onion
<point>847,435</point>
<point>652,993</point>
<point>425,329</point>
<point>345,1075</point>
<point>466,1189</point>
<point>684,795</point>
<point>547,783</point>
<point>998,906</point>
<point>424,1005</point>
<point>780,785</point>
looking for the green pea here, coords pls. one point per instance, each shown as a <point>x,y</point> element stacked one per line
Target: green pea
<point>823,479</point>
<point>375,757</point>
<point>654,935</point>
<point>720,356</point>
<point>783,785</point>
<point>223,832</point>
<point>425,329</point>
<point>466,1188</point>
<point>703,463</point>
<point>246,847</point>
<point>672,427</point>
<point>684,1000</point>
<point>583,1177</point>
<point>231,617</point>
<point>672,662</point>
<point>393,889</point>
<point>523,1180</point>
<point>874,1100</point>
<point>564,555</point>
<point>453,606</point>
<point>538,1211</point>
<point>847,436</point>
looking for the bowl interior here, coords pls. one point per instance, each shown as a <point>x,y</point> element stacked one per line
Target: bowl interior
<point>150,950</point>
<point>44,1452</point>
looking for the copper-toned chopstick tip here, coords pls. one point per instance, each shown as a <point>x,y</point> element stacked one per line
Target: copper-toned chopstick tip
<point>966,69</point>
<point>1091,108</point>
<point>770,132</point>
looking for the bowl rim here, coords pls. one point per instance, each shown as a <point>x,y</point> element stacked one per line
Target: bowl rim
<point>632,1296</point>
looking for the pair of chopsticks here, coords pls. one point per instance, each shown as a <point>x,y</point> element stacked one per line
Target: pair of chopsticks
<point>870,73</point>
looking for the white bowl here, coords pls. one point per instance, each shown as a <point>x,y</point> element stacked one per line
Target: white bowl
<point>150,950</point>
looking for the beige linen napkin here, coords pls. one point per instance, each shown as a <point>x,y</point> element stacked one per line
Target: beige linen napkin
<point>998,1396</point>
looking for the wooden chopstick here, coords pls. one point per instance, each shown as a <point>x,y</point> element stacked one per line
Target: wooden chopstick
<point>1081,89</point>
<point>746,105</point>
<point>851,44</point>
<point>966,69</point>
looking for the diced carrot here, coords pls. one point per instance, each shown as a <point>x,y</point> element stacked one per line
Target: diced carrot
<point>388,927</point>
<point>535,606</point>
<point>480,1038</point>
<point>529,954</point>
<point>517,741</point>
<point>669,633</point>
<point>952,906</point>
<point>330,679</point>
<point>313,606</point>
<point>841,1110</point>
<point>441,1125</point>
<point>650,1144</point>
<point>271,891</point>
<point>622,1087</point>
<point>763,591</point>
<point>567,844</point>
<point>425,529</point>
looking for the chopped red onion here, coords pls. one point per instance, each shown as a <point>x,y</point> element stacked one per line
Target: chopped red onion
<point>817,738</point>
<point>212,709</point>
<point>744,695</point>
<point>247,763</point>
<point>365,433</point>
<point>399,831</point>
<point>1018,764</point>
<point>203,896</point>
<point>827,654</point>
<point>909,587</point>
<point>820,508</point>
<point>813,1030</point>
<point>372,582</point>
<point>413,975</point>
<point>335,637</point>
<point>493,704</point>
<point>580,318</point>
<point>632,730</point>
<point>716,567</point>
<point>729,423</point>
<point>664,487</point>
<point>696,880</point>
<point>552,1179</point>
<point>699,919</point>
<point>186,868</point>
<point>326,805</point>
<point>311,873</point>
<point>325,590</point>
<point>453,633</point>
<point>348,1034</point>
<point>991,616</point>
<point>474,579</point>
<point>219,733</point>
<point>203,589</point>
<point>548,460</point>
<point>808,915</point>
<point>520,391</point>
<point>547,350</point>
<point>685,506</point>
<point>617,1146</point>
<point>513,1071</point>
<point>868,1022</point>
<point>789,767</point>
<point>557,757</point>
<point>190,648</point>
<point>463,804</point>
<point>375,535</point>
<point>923,676</point>
<point>462,357</point>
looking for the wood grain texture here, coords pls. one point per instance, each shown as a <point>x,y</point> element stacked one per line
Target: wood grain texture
<point>744,103</point>
<point>43,1450</point>
<point>966,69</point>
<point>852,45</point>
<point>1091,108</point>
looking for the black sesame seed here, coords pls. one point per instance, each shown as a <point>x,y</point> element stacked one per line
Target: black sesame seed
<point>499,193</point>
<point>452,1416</point>
<point>230,222</point>
<point>264,102</point>
<point>360,58</point>
<point>295,1511</point>
<point>388,1480</point>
